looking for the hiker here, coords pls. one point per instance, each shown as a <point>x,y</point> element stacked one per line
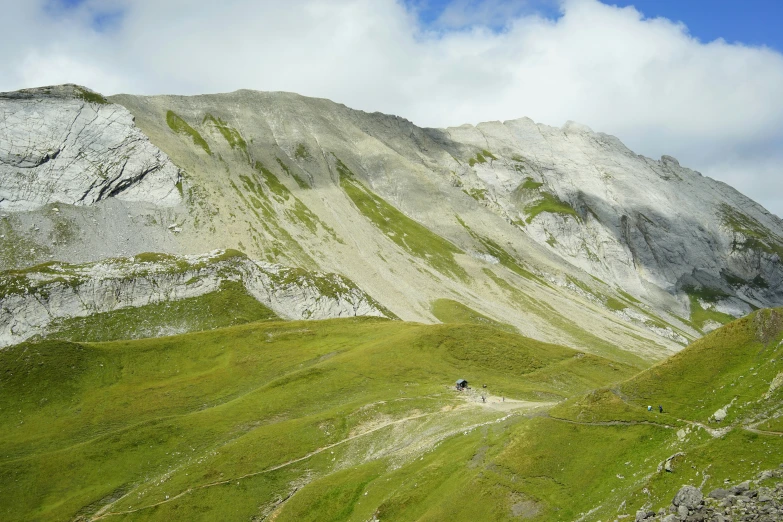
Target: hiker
<point>660,409</point>
<point>502,399</point>
<point>649,408</point>
<point>483,399</point>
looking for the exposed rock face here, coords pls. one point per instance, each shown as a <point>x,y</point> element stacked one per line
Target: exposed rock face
<point>623,217</point>
<point>66,144</point>
<point>32,300</point>
<point>634,222</point>
<point>514,213</point>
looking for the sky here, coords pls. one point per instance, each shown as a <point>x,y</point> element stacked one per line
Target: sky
<point>700,80</point>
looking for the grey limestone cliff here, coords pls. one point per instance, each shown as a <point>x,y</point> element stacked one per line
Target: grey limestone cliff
<point>563,232</point>
<point>34,300</point>
<point>67,144</point>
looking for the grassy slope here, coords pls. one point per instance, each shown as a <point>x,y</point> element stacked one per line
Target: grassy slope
<point>599,453</point>
<point>85,423</point>
<point>738,361</point>
<point>449,311</point>
<point>735,363</point>
<point>229,306</point>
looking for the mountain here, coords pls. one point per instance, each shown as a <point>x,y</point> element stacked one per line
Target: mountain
<point>563,233</point>
<point>254,306</point>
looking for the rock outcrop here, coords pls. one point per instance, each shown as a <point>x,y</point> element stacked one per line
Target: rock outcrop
<point>69,145</point>
<point>644,254</point>
<point>738,503</point>
<point>643,225</point>
<point>622,217</point>
<point>32,300</point>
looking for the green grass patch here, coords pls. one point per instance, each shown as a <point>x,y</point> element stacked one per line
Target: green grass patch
<point>735,365</point>
<point>277,188</point>
<point>498,252</point>
<point>531,184</point>
<point>180,126</point>
<point>90,96</point>
<point>228,306</point>
<point>615,304</point>
<point>450,311</point>
<point>757,236</point>
<point>298,213</point>
<point>628,296</point>
<point>711,295</point>
<point>571,468</point>
<point>581,337</point>
<point>299,180</point>
<point>481,157</point>
<point>142,421</point>
<point>399,228</point>
<point>301,152</point>
<point>232,136</point>
<point>738,360</point>
<point>477,194</point>
<point>701,316</point>
<point>259,203</point>
<point>549,203</point>
<point>579,284</point>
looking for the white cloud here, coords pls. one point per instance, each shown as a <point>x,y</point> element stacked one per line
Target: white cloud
<point>715,106</point>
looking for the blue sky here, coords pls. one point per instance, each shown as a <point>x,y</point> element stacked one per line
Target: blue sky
<point>751,22</point>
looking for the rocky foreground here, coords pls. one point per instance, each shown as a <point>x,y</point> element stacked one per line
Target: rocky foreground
<point>746,501</point>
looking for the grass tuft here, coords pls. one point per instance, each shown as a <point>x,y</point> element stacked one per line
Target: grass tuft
<point>232,136</point>
<point>552,204</point>
<point>180,126</point>
<point>399,228</point>
<point>449,311</point>
<point>90,96</point>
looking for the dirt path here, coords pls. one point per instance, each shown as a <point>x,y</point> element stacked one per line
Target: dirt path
<point>614,423</point>
<point>493,403</point>
<point>715,433</point>
<point>104,513</point>
<point>500,403</point>
<point>764,432</point>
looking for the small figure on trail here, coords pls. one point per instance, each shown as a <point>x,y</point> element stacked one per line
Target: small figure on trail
<point>649,408</point>
<point>660,409</point>
<point>483,399</point>
<point>503,399</point>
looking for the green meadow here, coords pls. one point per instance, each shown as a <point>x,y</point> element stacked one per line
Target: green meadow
<point>355,419</point>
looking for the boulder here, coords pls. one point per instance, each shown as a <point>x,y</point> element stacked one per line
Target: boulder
<point>719,493</point>
<point>741,488</point>
<point>688,497</point>
<point>682,512</point>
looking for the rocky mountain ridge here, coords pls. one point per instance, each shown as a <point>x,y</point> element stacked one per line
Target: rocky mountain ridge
<point>69,145</point>
<point>543,228</point>
<point>33,302</point>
